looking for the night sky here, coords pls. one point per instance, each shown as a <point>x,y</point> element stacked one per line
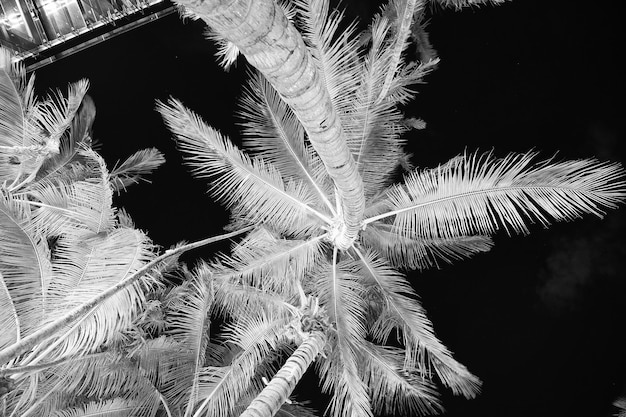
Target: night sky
<point>539,318</point>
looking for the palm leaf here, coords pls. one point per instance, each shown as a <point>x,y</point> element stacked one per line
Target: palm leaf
<point>55,113</point>
<point>272,131</point>
<point>11,111</point>
<point>257,187</point>
<point>409,253</point>
<point>222,387</point>
<point>189,324</point>
<point>83,269</point>
<point>480,194</point>
<point>9,320</point>
<point>131,170</point>
<point>334,47</point>
<point>272,264</point>
<point>393,389</point>
<point>401,310</point>
<point>94,376</point>
<point>459,4</point>
<point>373,131</point>
<point>341,294</point>
<point>76,138</point>
<point>25,267</point>
<point>76,207</point>
<point>116,407</point>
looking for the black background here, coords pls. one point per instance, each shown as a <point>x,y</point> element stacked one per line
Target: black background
<point>540,318</point>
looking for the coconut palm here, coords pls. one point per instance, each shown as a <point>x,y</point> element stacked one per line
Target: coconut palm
<point>62,242</point>
<point>322,91</point>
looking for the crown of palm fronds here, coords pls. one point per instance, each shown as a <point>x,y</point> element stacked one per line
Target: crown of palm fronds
<point>430,216</point>
<point>61,244</point>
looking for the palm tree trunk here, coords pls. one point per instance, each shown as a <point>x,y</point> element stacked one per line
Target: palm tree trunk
<point>270,43</point>
<point>274,395</point>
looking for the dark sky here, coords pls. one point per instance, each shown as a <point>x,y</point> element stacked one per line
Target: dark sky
<point>540,318</point>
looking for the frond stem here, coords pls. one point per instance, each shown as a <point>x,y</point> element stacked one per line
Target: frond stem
<point>51,329</point>
<point>461,195</point>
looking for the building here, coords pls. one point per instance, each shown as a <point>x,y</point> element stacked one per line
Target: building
<point>42,31</point>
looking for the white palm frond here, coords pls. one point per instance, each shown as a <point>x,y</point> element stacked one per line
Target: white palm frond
<point>393,389</point>
<point>131,171</point>
<point>272,131</point>
<point>296,410</point>
<point>459,4</point>
<point>99,375</point>
<point>85,267</point>
<point>235,299</point>
<point>341,294</point>
<point>401,310</point>
<point>11,111</point>
<point>374,128</point>
<point>79,207</point>
<point>9,320</point>
<point>25,267</point>
<point>271,263</point>
<point>55,113</point>
<point>401,89</point>
<point>401,14</point>
<point>189,324</point>
<point>334,47</point>
<point>254,185</point>
<point>411,253</point>
<point>116,407</point>
<point>222,387</point>
<point>480,194</point>
<point>76,138</point>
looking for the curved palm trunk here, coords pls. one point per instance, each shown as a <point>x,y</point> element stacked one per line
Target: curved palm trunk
<point>272,44</point>
<point>274,395</point>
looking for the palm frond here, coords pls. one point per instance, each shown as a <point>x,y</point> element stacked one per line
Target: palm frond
<point>480,194</point>
<point>134,167</point>
<point>341,294</point>
<point>401,310</point>
<point>272,264</point>
<point>235,299</point>
<point>222,387</point>
<point>409,253</point>
<point>77,207</point>
<point>89,377</point>
<point>395,390</point>
<point>189,324</point>
<point>83,269</point>
<point>374,128</point>
<point>25,267</point>
<point>401,13</point>
<point>9,320</point>
<point>76,138</point>
<point>295,409</point>
<point>55,113</point>
<point>334,47</point>
<point>116,407</point>
<point>254,185</point>
<point>459,4</point>
<point>272,131</point>
<point>11,110</point>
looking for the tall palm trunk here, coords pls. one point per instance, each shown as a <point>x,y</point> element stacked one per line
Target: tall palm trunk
<point>274,395</point>
<point>270,43</point>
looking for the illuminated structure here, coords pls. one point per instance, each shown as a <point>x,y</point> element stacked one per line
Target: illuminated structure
<point>42,31</point>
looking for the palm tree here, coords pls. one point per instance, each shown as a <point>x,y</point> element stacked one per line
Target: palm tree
<point>378,349</point>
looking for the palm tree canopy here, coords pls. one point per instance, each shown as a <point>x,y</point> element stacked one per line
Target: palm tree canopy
<point>285,189</point>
